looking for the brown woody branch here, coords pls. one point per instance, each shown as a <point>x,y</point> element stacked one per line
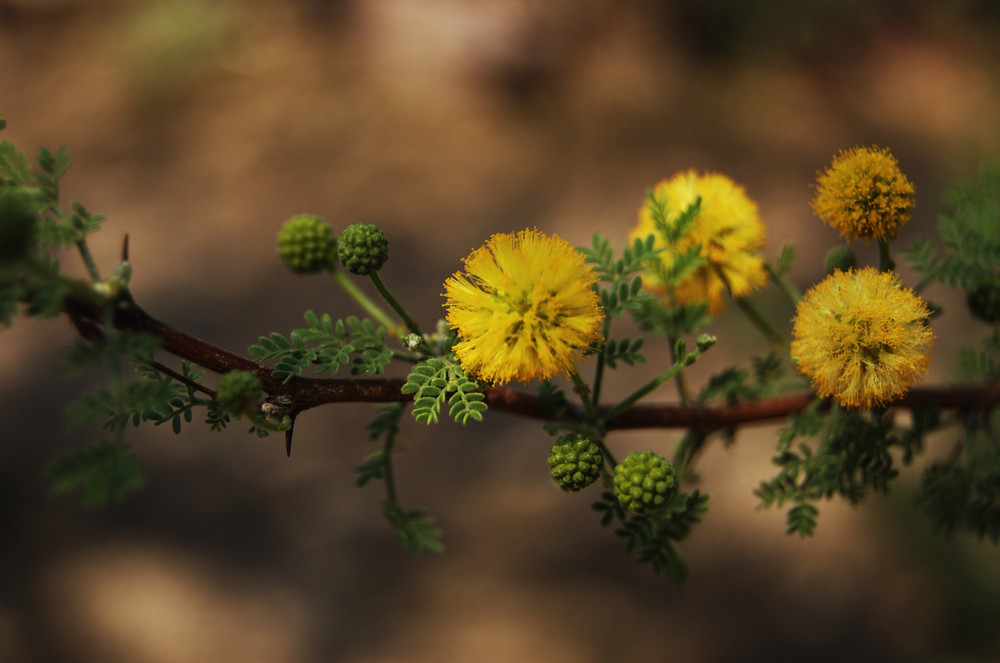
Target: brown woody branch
<point>301,394</point>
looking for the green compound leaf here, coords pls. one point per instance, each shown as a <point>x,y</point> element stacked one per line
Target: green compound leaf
<point>416,530</point>
<point>437,380</point>
<point>653,537</point>
<point>104,471</point>
<point>857,453</point>
<point>326,346</point>
<point>971,245</point>
<point>624,350</point>
<point>623,291</point>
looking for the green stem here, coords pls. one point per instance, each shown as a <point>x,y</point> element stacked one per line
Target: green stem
<point>583,390</point>
<point>389,477</point>
<point>783,284</point>
<point>362,299</point>
<point>653,384</point>
<point>599,371</point>
<point>885,261</point>
<point>762,325</point>
<point>88,261</point>
<point>383,290</point>
<point>679,377</point>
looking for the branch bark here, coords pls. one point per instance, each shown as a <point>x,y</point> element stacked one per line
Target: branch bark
<point>306,393</point>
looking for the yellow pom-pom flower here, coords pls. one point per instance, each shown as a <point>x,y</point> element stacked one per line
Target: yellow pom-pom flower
<point>864,194</point>
<point>727,228</point>
<point>524,308</point>
<point>862,338</point>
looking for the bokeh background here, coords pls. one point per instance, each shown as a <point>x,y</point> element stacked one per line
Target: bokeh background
<point>198,127</point>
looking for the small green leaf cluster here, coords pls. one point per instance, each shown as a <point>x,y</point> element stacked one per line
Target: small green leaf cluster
<point>965,496</point>
<point>413,526</point>
<point>653,536</point>
<point>623,289</point>
<point>737,385</point>
<point>104,471</point>
<point>33,227</point>
<point>436,380</point>
<point>326,346</point>
<point>854,455</point>
<point>971,258</point>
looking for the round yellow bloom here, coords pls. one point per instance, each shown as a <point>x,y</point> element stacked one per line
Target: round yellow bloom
<point>727,228</point>
<point>864,195</point>
<point>861,337</point>
<point>524,308</point>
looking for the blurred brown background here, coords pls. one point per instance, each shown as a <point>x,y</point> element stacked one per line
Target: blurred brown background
<point>198,127</point>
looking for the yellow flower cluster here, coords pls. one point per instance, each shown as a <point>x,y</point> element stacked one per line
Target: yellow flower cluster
<point>864,195</point>
<point>861,337</point>
<point>727,228</point>
<point>524,309</point>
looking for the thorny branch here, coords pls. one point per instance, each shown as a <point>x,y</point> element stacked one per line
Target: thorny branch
<point>301,393</point>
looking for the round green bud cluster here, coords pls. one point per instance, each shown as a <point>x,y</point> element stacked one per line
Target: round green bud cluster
<point>362,248</point>
<point>238,392</point>
<point>840,257</point>
<point>645,482</point>
<point>984,300</point>
<point>575,461</point>
<point>306,244</point>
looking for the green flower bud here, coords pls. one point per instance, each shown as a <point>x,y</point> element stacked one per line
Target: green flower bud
<point>705,341</point>
<point>575,461</point>
<point>645,482</point>
<point>840,257</point>
<point>306,244</point>
<point>238,392</point>
<point>362,249</point>
<point>984,300</point>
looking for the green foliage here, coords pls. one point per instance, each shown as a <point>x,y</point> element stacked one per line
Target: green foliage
<point>653,536</point>
<point>416,530</point>
<point>104,471</point>
<point>326,346</point>
<point>983,364</point>
<point>853,456</point>
<point>624,350</point>
<point>786,256</point>
<point>623,291</point>
<point>385,424</point>
<point>971,242</point>
<point>414,527</point>
<point>963,492</point>
<point>736,385</point>
<point>436,380</point>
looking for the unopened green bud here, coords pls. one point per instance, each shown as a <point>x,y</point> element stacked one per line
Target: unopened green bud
<point>238,392</point>
<point>645,482</point>
<point>705,341</point>
<point>575,461</point>
<point>362,249</point>
<point>306,244</point>
<point>840,258</point>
